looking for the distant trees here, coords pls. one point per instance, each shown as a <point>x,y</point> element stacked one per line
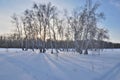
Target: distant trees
<point>11,41</point>
<point>43,23</point>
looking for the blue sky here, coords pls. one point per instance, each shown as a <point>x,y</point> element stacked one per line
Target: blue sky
<point>111,8</point>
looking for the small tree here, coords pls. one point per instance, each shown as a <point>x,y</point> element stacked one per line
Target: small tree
<point>19,30</point>
<point>102,34</point>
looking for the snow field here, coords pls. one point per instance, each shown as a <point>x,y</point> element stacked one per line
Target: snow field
<point>16,64</point>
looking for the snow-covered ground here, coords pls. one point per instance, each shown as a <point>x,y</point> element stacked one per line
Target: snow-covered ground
<point>16,64</point>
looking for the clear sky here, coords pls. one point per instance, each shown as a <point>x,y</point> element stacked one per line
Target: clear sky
<point>111,8</point>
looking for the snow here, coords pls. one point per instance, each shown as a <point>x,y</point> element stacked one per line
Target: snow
<point>16,64</point>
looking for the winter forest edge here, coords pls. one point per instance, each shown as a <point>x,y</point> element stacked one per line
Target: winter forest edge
<point>44,26</point>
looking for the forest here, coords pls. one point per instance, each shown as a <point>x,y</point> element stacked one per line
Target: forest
<point>44,26</point>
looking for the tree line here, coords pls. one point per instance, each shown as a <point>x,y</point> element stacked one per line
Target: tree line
<point>12,42</point>
<point>44,25</point>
